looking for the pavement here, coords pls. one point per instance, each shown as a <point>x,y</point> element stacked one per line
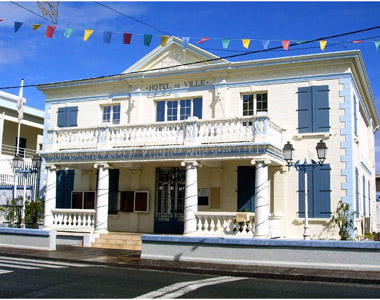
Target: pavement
<point>131,259</point>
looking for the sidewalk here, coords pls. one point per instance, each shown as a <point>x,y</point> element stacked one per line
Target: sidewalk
<point>131,259</point>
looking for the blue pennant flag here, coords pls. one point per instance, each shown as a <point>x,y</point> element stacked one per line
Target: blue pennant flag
<point>17,26</point>
<point>107,37</point>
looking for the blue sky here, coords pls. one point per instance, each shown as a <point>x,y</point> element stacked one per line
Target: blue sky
<point>29,54</point>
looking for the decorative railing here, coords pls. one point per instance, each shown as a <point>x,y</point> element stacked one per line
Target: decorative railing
<point>11,151</point>
<point>74,219</point>
<point>190,132</point>
<point>233,224</point>
<point>7,175</point>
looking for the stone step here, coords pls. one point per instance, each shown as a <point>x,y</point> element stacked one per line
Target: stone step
<point>120,237</point>
<point>116,246</point>
<point>119,240</point>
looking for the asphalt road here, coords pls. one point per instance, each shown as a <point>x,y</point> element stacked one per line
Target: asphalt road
<point>27,278</point>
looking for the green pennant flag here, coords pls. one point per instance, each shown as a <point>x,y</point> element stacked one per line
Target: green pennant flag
<point>301,42</point>
<point>377,44</point>
<point>225,42</point>
<point>68,32</point>
<point>147,39</point>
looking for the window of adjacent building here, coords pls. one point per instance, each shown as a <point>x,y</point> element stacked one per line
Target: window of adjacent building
<point>111,114</point>
<point>134,201</point>
<point>357,191</point>
<point>319,192</point>
<point>83,200</point>
<point>355,118</point>
<point>313,109</point>
<point>175,110</point>
<point>67,116</point>
<point>255,103</point>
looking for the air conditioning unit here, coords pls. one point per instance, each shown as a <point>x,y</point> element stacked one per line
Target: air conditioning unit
<point>367,225</point>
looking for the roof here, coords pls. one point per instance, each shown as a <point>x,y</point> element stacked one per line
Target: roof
<point>9,101</point>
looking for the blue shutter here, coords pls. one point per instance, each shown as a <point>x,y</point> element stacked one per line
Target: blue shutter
<point>301,193</point>
<point>364,200</point>
<point>72,116</point>
<point>197,108</point>
<point>322,191</point>
<point>321,109</point>
<point>355,118</point>
<point>305,120</point>
<point>357,191</point>
<point>65,185</point>
<point>61,118</point>
<point>369,197</point>
<point>113,191</point>
<point>160,111</point>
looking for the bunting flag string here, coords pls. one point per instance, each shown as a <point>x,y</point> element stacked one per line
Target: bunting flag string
<point>147,38</point>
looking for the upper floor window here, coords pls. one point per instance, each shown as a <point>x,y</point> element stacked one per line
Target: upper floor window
<point>176,110</point>
<point>254,103</point>
<point>111,114</point>
<point>67,116</point>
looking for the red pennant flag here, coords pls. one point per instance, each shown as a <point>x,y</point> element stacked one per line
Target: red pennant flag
<point>127,38</point>
<point>357,42</point>
<point>203,40</point>
<point>50,31</point>
<point>285,44</point>
<point>1,20</point>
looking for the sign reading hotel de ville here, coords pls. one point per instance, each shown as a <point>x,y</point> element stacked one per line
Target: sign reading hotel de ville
<point>169,86</point>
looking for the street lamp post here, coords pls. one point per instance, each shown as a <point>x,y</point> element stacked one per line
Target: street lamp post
<point>305,167</point>
<point>19,168</point>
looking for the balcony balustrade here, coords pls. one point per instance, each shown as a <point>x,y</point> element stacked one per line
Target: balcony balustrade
<point>82,220</point>
<point>258,129</point>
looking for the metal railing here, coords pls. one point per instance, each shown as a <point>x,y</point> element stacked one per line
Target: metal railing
<point>23,152</point>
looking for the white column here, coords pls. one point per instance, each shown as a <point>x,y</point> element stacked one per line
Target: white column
<point>50,195</point>
<point>191,196</point>
<point>102,198</point>
<point>261,200</point>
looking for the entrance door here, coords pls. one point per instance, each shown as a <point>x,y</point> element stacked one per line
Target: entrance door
<point>170,198</point>
<point>246,189</point>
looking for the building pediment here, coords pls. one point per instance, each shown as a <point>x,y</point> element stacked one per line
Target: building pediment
<point>173,56</point>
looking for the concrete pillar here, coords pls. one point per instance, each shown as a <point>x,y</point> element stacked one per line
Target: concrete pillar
<point>50,195</point>
<point>262,200</point>
<point>191,196</point>
<point>101,219</point>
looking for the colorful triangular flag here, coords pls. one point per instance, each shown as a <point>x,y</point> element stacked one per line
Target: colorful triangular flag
<point>36,26</point>
<point>301,42</point>
<point>68,32</point>
<point>266,44</point>
<point>107,37</point>
<point>358,41</point>
<point>285,44</point>
<point>147,39</point>
<point>323,45</point>
<point>203,40</point>
<point>87,34</point>
<point>225,42</point>
<point>50,31</point>
<point>377,44</point>
<point>185,42</point>
<point>164,40</point>
<point>246,43</point>
<point>17,26</point>
<point>127,38</point>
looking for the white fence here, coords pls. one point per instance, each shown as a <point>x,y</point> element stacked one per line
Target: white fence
<point>74,219</point>
<point>191,131</point>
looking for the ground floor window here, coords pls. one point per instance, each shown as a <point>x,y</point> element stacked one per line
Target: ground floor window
<point>83,200</point>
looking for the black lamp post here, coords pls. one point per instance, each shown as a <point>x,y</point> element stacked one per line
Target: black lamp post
<point>288,156</point>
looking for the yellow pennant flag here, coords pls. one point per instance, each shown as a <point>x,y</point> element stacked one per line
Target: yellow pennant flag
<point>164,40</point>
<point>323,45</point>
<point>87,34</point>
<point>246,43</point>
<point>36,26</point>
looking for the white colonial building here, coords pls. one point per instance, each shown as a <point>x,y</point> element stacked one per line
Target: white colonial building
<point>166,147</point>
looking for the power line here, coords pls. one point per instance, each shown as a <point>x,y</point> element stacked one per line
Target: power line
<point>197,62</point>
<point>132,18</point>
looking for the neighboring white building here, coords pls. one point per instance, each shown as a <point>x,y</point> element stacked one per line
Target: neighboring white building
<point>183,149</point>
<point>32,126</point>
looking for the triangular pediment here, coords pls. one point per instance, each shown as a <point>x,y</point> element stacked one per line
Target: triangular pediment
<point>173,55</point>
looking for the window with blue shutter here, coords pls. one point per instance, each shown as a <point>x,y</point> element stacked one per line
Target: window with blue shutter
<point>364,197</point>
<point>369,197</point>
<point>313,109</point>
<point>319,192</point>
<point>113,192</point>
<point>197,108</point>
<point>175,110</point>
<point>67,116</point>
<point>355,118</point>
<point>357,191</point>
<point>160,111</point>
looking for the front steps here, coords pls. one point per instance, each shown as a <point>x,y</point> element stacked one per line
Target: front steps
<point>119,240</point>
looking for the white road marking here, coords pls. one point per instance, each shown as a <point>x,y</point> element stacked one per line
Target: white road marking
<point>12,266</point>
<point>181,288</point>
<point>5,271</point>
<point>58,263</point>
<point>33,264</point>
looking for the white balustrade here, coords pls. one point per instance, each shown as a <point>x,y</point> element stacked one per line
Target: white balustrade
<point>228,224</point>
<point>74,219</point>
<point>243,129</point>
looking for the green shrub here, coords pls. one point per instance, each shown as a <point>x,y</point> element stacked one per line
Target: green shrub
<point>344,219</point>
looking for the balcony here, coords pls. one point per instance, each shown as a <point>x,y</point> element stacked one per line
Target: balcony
<point>256,129</point>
